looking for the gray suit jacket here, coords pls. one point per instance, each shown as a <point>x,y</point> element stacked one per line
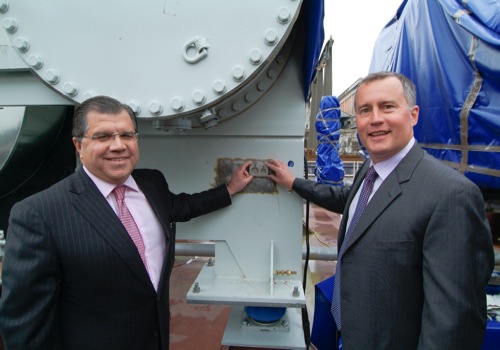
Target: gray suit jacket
<point>415,269</point>
<point>73,278</point>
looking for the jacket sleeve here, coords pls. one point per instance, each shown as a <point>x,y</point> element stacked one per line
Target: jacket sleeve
<point>188,206</point>
<point>457,263</point>
<point>182,206</point>
<point>333,198</point>
<point>30,282</point>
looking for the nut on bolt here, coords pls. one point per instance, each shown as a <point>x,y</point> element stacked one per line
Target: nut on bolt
<point>4,6</point>
<point>35,61</point>
<point>52,76</point>
<point>70,88</point>
<point>22,44</point>
<point>9,24</point>
<point>196,288</point>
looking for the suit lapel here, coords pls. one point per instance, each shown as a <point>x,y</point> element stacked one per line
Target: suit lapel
<point>389,190</point>
<point>150,189</point>
<point>358,180</point>
<point>94,208</point>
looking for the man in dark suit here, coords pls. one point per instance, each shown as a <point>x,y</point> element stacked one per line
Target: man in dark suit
<point>72,276</point>
<point>414,268</point>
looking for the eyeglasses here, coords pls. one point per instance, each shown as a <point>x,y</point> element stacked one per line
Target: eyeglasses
<point>104,137</point>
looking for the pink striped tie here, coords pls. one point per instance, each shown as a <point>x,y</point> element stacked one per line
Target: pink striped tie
<point>129,222</point>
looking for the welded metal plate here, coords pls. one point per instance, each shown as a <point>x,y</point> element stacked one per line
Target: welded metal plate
<point>210,288</point>
<point>260,183</point>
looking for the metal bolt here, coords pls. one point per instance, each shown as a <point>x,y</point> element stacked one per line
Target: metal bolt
<point>210,262</point>
<point>4,6</point>
<point>35,61</point>
<point>237,106</point>
<point>283,15</point>
<point>250,96</point>
<point>219,87</point>
<point>223,113</point>
<point>280,59</point>
<point>70,88</point>
<point>199,97</point>
<point>134,107</point>
<point>89,94</point>
<point>21,44</point>
<point>182,124</point>
<point>271,37</point>
<point>296,292</point>
<point>284,323</point>
<point>238,73</point>
<point>245,322</point>
<point>209,119</point>
<point>177,104</point>
<point>10,24</point>
<point>272,73</point>
<point>196,288</point>
<point>155,108</point>
<point>262,86</point>
<point>255,57</point>
<point>52,76</point>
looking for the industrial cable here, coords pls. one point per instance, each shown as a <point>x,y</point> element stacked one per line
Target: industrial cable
<point>305,316</point>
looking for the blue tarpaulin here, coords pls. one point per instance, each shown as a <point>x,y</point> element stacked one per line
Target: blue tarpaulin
<point>451,50</point>
<point>313,13</point>
<point>329,167</point>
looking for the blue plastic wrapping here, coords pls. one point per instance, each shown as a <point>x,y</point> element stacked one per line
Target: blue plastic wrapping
<point>329,167</point>
<point>451,50</point>
<point>314,13</point>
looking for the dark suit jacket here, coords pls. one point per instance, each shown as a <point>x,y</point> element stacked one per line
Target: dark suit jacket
<point>73,278</point>
<point>416,266</point>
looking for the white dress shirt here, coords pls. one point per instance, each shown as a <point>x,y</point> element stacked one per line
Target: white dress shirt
<point>383,169</point>
<point>146,220</point>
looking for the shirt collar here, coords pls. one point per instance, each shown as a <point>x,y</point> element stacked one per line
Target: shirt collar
<point>106,188</point>
<point>384,168</point>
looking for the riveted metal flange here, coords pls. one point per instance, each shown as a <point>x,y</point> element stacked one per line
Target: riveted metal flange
<point>186,63</point>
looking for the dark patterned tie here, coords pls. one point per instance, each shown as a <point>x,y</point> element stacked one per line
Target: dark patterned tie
<point>370,177</point>
<point>129,222</point>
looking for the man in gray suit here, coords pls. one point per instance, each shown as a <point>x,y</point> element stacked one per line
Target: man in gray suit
<point>414,268</point>
<point>76,277</point>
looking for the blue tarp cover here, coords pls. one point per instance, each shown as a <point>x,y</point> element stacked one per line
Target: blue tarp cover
<point>451,50</point>
<point>313,13</point>
<point>329,167</point>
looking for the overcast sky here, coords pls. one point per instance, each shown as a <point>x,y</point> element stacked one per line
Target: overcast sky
<point>354,26</point>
